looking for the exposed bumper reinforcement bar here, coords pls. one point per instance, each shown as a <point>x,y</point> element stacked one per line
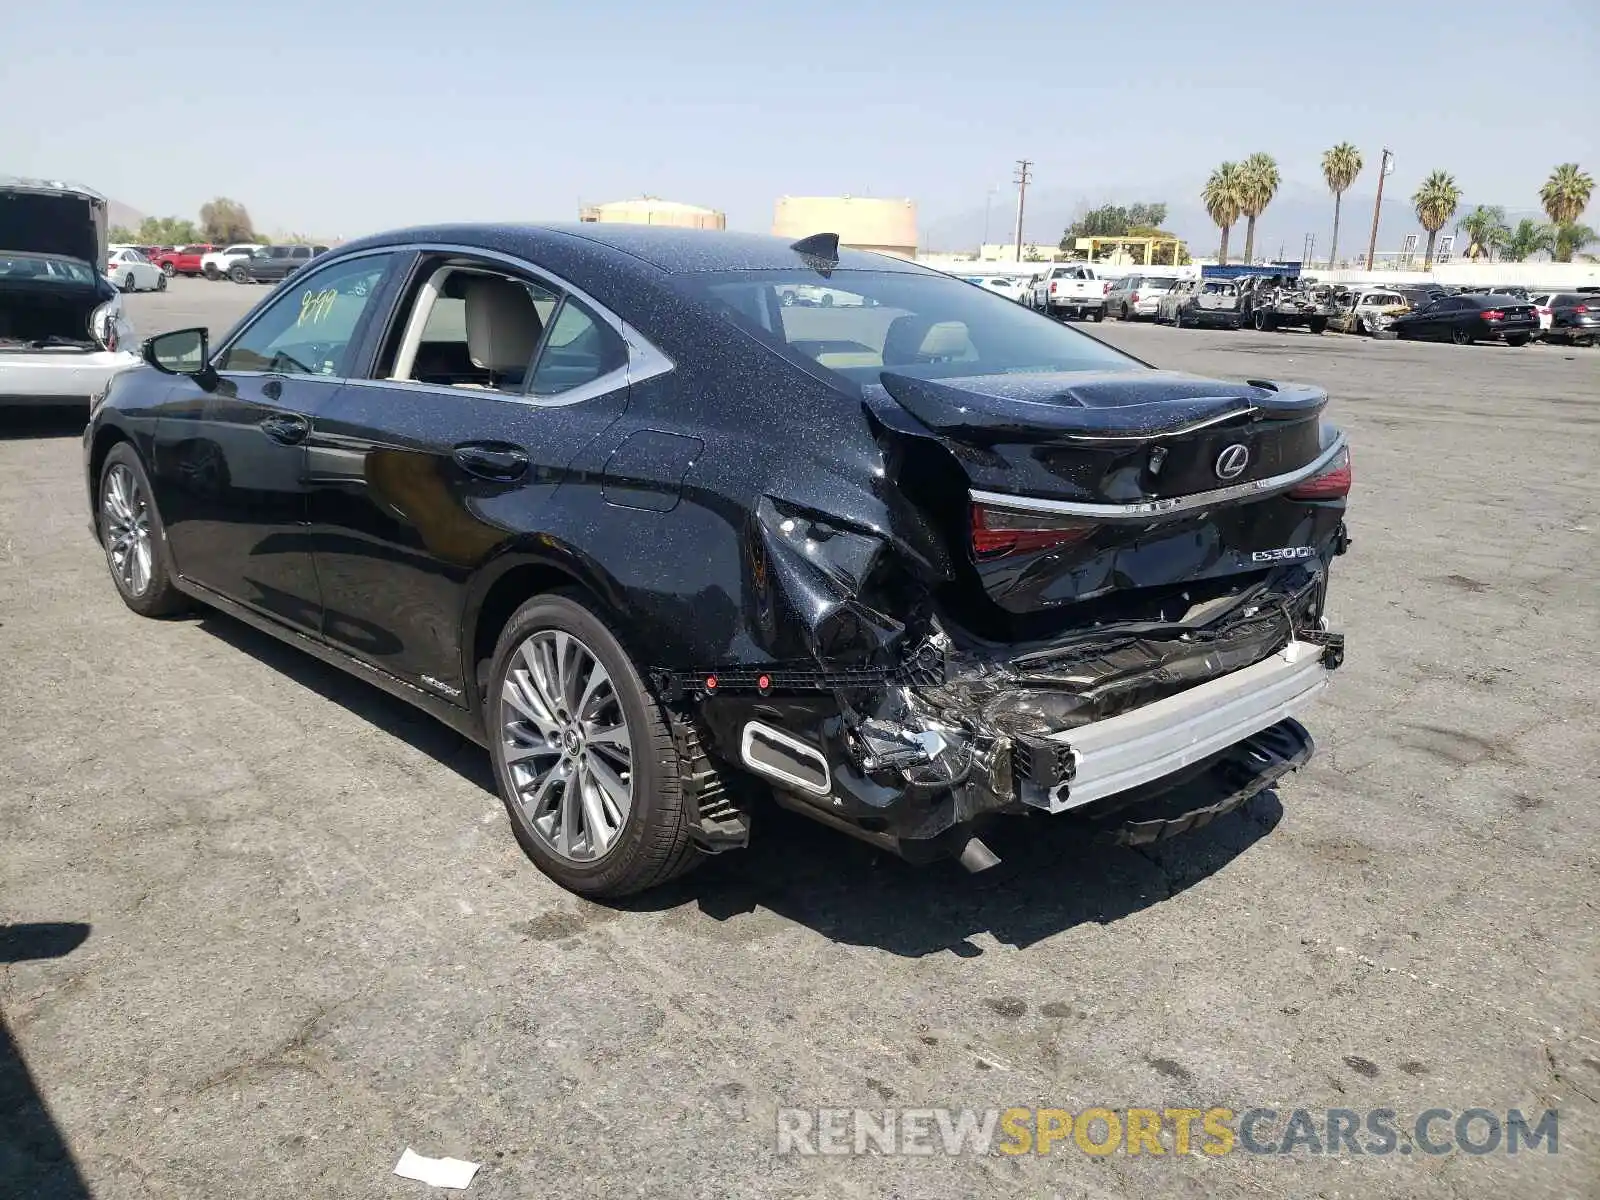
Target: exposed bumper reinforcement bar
<point>1163,737</point>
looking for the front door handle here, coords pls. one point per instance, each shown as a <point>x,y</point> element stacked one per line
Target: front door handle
<point>286,428</point>
<point>499,461</point>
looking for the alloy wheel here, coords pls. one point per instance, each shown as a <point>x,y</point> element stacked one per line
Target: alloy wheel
<point>127,530</point>
<point>566,745</point>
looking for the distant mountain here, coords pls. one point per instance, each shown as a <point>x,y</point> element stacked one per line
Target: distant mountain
<point>119,213</point>
<point>1296,211</point>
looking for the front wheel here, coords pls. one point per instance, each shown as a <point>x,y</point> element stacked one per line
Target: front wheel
<point>168,270</point>
<point>583,756</point>
<point>210,272</point>
<point>1097,315</point>
<point>1461,336</point>
<point>1319,324</point>
<point>134,538</point>
<point>237,274</point>
<point>161,283</point>
<point>1517,339</point>
<point>129,284</point>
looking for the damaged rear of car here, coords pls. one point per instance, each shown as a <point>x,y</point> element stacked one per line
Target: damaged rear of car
<point>63,333</point>
<point>1084,587</point>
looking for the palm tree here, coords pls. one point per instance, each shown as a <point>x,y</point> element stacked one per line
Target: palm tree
<point>1258,185</point>
<point>1485,227</point>
<point>1436,202</point>
<point>1566,193</point>
<point>1527,239</point>
<point>1340,166</point>
<point>1221,198</point>
<point>1570,238</point>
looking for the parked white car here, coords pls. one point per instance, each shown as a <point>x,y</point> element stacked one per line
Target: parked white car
<point>1011,287</point>
<point>133,272</point>
<point>1543,309</point>
<point>63,332</point>
<point>1135,296</point>
<point>214,264</point>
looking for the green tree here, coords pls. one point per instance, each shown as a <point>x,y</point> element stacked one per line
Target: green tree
<point>1222,198</point>
<point>1565,195</point>
<point>166,231</point>
<point>123,235</point>
<point>226,220</point>
<point>1258,184</point>
<point>1486,231</point>
<point>1436,202</point>
<point>1570,239</point>
<point>1340,166</point>
<point>1147,214</point>
<point>1527,239</point>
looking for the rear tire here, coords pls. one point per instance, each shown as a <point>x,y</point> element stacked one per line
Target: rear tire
<point>1098,315</point>
<point>161,283</point>
<point>1517,339</point>
<point>168,270</point>
<point>614,853</point>
<point>1177,318</point>
<point>130,283</point>
<point>210,272</point>
<point>237,275</point>
<point>133,537</point>
<point>1461,336</point>
<point>1319,324</point>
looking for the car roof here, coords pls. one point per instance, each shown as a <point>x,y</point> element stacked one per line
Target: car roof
<point>675,251</point>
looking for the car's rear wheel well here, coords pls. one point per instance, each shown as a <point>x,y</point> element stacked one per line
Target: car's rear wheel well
<point>509,593</point>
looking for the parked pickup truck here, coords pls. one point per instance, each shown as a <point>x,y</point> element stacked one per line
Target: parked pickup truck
<point>184,260</point>
<point>1071,290</point>
<point>216,263</point>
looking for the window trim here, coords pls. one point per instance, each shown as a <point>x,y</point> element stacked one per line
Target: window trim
<point>644,360</point>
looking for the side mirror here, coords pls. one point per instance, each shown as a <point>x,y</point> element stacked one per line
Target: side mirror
<point>182,352</point>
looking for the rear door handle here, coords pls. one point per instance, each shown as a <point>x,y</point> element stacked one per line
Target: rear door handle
<point>286,428</point>
<point>499,461</point>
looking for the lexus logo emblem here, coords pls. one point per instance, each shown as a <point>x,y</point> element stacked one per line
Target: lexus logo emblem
<point>1232,461</point>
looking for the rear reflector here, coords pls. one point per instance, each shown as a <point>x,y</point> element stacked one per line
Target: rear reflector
<point>999,531</point>
<point>1331,484</point>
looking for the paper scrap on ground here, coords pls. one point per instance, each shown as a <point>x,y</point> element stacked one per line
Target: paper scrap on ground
<point>440,1172</point>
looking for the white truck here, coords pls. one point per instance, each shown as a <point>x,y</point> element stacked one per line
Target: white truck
<point>1071,290</point>
<point>214,264</point>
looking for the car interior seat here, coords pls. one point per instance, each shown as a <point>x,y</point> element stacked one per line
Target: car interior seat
<point>503,328</point>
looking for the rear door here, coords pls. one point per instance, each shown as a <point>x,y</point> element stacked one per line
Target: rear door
<point>230,463</point>
<point>426,467</point>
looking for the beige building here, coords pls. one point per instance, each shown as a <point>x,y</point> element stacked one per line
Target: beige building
<point>862,223</point>
<point>652,210</point>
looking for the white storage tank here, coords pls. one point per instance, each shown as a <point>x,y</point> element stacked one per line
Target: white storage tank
<point>652,210</point>
<point>862,222</point>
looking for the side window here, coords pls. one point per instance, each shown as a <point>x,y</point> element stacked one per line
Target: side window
<point>579,349</point>
<point>308,330</point>
<point>300,252</point>
<point>480,330</point>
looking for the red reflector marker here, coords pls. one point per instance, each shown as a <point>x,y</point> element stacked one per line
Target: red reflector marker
<point>711,683</point>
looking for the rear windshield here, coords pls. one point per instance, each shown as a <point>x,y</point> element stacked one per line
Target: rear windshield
<point>44,268</point>
<point>1158,281</point>
<point>930,326</point>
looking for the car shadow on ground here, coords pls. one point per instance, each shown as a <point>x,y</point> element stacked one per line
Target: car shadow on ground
<point>34,1158</point>
<point>411,725</point>
<point>1051,876</point>
<point>50,422</point>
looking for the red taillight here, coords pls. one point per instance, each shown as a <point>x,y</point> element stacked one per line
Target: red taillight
<point>1493,314</point>
<point>1052,287</point>
<point>1545,312</point>
<point>1576,308</point>
<point>1106,291</point>
<point>1134,299</point>
<point>999,531</point>
<point>1333,483</point>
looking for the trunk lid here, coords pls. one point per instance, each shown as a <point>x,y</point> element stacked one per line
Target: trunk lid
<point>43,217</point>
<point>1125,491</point>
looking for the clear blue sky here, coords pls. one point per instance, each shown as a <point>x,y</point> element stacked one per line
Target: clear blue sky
<point>343,116</point>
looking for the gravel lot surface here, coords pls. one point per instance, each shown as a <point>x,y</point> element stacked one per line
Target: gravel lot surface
<point>312,942</point>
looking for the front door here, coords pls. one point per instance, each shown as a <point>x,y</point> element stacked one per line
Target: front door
<point>488,386</point>
<point>231,462</point>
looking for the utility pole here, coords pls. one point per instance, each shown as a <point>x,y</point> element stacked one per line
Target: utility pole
<point>1377,205</point>
<point>1023,175</point>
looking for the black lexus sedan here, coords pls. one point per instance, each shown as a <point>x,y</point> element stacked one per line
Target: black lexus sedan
<point>672,549</point>
<point>1465,319</point>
